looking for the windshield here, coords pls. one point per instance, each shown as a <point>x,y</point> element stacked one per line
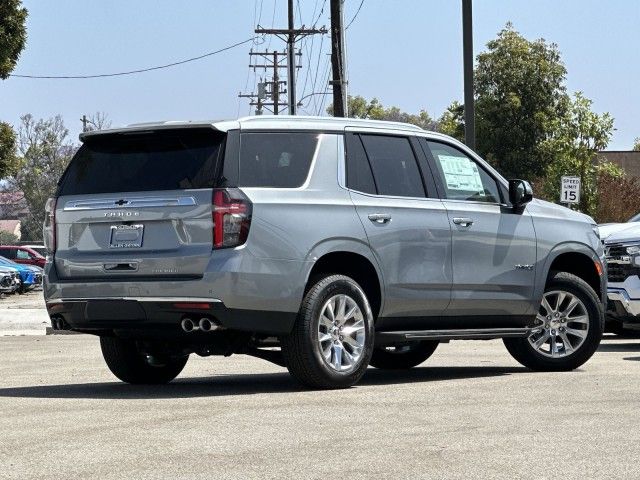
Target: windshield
<point>635,218</point>
<point>159,160</point>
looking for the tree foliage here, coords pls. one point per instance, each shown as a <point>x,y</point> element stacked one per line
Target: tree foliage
<point>13,34</point>
<point>451,122</point>
<point>360,107</point>
<point>636,145</point>
<point>519,89</point>
<point>576,138</point>
<point>8,157</point>
<point>45,152</point>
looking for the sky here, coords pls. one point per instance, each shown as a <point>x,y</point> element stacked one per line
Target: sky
<point>407,53</point>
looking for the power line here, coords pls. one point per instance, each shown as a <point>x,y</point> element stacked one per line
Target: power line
<point>356,15</point>
<point>142,70</point>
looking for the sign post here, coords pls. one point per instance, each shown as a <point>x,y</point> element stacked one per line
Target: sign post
<point>570,190</point>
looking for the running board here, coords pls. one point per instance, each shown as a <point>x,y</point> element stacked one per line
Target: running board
<point>387,338</point>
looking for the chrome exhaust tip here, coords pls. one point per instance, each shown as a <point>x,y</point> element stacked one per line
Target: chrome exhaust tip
<point>188,325</point>
<point>207,325</point>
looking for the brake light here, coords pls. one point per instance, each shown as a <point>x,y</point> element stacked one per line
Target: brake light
<point>49,227</point>
<point>231,216</point>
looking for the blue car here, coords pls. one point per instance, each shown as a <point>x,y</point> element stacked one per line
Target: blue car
<point>30,275</point>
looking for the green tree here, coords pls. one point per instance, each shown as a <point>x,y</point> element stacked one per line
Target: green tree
<point>8,157</point>
<point>519,92</point>
<point>360,107</point>
<point>636,145</point>
<point>577,137</point>
<point>451,122</point>
<point>13,37</point>
<point>45,152</point>
<point>13,34</point>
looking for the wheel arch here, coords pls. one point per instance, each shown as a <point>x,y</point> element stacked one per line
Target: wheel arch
<point>357,263</point>
<point>577,259</point>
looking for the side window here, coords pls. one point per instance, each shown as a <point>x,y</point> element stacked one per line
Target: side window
<point>359,175</point>
<point>23,255</point>
<point>462,177</point>
<point>394,165</point>
<point>8,253</point>
<point>278,160</point>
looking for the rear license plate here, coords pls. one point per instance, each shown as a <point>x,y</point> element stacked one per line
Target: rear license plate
<point>126,236</point>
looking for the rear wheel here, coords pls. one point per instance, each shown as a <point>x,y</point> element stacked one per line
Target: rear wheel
<point>127,363</point>
<point>569,327</point>
<point>402,357</point>
<point>332,341</point>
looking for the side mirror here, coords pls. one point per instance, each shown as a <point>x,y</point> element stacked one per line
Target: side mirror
<point>520,193</point>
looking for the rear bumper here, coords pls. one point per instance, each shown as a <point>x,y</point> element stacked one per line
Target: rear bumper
<point>150,317</point>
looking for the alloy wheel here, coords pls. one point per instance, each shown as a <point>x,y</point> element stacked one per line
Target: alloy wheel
<point>341,333</point>
<point>562,324</point>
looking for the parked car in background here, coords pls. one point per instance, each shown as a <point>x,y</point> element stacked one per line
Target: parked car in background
<point>10,280</point>
<point>23,255</point>
<point>30,275</point>
<point>607,229</point>
<point>622,250</point>
<point>41,249</point>
<point>344,242</point>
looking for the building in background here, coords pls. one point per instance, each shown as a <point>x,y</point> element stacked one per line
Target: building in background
<point>628,160</point>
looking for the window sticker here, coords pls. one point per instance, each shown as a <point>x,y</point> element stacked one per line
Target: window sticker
<point>460,173</point>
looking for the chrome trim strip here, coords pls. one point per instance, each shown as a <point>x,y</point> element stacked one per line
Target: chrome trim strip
<point>136,202</point>
<point>631,306</point>
<point>139,299</point>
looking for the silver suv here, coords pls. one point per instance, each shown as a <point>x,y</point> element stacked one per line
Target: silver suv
<point>322,244</point>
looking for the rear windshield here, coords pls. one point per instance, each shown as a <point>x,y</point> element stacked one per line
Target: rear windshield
<point>163,160</point>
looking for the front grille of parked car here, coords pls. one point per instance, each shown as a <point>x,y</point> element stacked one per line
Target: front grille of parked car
<point>617,272</point>
<point>619,266</point>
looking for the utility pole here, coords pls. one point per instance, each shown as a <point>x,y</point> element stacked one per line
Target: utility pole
<point>291,35</point>
<point>467,57</point>
<point>338,82</point>
<point>273,88</point>
<point>84,121</point>
<point>291,63</point>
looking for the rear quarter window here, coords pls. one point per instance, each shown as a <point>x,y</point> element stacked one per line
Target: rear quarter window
<point>276,159</point>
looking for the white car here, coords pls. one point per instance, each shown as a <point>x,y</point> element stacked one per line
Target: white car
<point>622,249</point>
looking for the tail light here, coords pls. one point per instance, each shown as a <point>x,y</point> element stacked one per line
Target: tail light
<point>49,227</point>
<point>231,217</point>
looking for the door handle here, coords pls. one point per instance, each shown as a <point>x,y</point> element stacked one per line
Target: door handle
<point>380,217</point>
<point>463,221</point>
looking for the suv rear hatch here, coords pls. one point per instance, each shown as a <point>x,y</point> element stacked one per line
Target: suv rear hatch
<point>138,204</point>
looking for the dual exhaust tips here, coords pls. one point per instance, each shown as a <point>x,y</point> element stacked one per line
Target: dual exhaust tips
<point>205,324</point>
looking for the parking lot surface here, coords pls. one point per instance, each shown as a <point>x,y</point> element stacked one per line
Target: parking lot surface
<point>468,412</point>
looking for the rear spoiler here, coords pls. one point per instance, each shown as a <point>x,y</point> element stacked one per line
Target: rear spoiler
<point>141,128</point>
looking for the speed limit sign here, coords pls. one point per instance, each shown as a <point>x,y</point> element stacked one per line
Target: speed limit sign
<point>570,189</point>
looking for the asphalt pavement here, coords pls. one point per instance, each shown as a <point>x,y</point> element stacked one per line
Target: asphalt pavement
<point>468,412</point>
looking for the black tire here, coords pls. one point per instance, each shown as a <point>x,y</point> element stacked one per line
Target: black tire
<point>525,353</point>
<point>403,358</point>
<point>301,349</point>
<point>125,362</point>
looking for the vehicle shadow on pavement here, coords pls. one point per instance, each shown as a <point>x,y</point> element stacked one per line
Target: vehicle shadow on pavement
<point>619,344</point>
<point>248,384</point>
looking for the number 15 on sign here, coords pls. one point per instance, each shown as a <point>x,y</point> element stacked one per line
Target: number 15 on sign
<point>570,189</point>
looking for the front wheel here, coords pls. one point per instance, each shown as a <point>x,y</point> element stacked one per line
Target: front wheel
<point>402,357</point>
<point>127,363</point>
<point>332,340</point>
<point>568,329</point>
